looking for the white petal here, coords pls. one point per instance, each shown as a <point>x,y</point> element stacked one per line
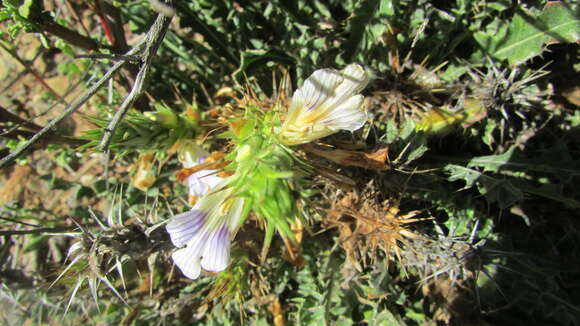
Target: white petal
<point>235,218</point>
<point>188,261</point>
<point>347,116</point>
<point>355,80</point>
<point>183,227</point>
<point>317,88</point>
<point>216,254</point>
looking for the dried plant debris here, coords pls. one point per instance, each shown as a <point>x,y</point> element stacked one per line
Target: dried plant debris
<point>367,226</point>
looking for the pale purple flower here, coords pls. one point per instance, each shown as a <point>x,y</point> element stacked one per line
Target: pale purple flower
<point>206,232</point>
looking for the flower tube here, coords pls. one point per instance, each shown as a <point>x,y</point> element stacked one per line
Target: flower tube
<point>326,103</point>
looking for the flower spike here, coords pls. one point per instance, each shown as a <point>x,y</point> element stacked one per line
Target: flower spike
<point>326,103</point>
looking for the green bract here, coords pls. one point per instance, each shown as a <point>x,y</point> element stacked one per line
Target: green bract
<point>265,171</point>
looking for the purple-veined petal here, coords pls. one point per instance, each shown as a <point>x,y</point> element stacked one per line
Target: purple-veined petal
<point>206,231</point>
<point>355,79</point>
<point>317,88</point>
<point>188,261</point>
<point>183,227</point>
<point>347,116</point>
<point>216,253</point>
<point>326,103</point>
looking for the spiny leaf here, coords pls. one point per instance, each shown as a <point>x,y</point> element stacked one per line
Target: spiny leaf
<point>526,35</point>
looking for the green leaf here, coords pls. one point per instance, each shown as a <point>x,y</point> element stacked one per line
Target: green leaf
<point>557,161</point>
<point>526,35</point>
<point>492,162</point>
<point>4,14</point>
<point>367,26</point>
<point>36,242</point>
<point>550,191</point>
<point>500,191</point>
<point>28,8</point>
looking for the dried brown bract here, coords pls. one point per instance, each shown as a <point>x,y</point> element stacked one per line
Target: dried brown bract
<point>367,226</point>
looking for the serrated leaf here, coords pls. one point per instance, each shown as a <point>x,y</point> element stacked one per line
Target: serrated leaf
<point>526,35</point>
<point>492,162</point>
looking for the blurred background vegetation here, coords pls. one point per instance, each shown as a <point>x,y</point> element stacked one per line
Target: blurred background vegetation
<point>465,212</point>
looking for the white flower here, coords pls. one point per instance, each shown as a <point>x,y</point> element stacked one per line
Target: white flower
<point>326,103</point>
<point>206,231</point>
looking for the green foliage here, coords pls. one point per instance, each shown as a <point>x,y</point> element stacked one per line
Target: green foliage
<point>506,179</point>
<point>527,33</point>
<point>20,12</point>
<point>156,130</point>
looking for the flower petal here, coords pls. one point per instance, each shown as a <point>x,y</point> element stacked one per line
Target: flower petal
<point>188,261</point>
<point>347,116</point>
<point>355,80</point>
<point>317,88</point>
<point>235,216</point>
<point>191,154</point>
<point>183,227</point>
<point>325,104</point>
<point>201,182</point>
<point>216,253</point>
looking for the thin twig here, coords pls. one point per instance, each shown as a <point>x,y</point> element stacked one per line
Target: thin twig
<point>70,36</point>
<point>19,222</point>
<point>49,138</point>
<point>6,115</point>
<point>114,57</point>
<point>68,110</point>
<point>36,231</point>
<point>147,48</point>
<point>153,40</point>
<point>22,73</point>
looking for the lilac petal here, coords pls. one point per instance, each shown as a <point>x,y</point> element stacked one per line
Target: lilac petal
<point>191,154</point>
<point>216,254</point>
<point>188,261</point>
<point>183,227</point>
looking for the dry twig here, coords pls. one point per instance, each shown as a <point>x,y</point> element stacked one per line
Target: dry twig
<point>146,50</point>
<point>153,40</point>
